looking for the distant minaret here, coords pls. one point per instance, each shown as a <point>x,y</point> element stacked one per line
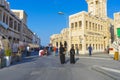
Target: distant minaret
<point>97,7</point>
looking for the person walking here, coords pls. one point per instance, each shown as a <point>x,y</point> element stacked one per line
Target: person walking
<point>62,55</point>
<point>72,55</point>
<point>56,51</point>
<point>90,50</point>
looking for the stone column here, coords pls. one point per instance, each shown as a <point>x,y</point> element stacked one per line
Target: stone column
<point>83,33</point>
<point>8,20</point>
<point>69,40</point>
<point>13,24</point>
<point>1,15</point>
<point>16,26</point>
<point>5,18</point>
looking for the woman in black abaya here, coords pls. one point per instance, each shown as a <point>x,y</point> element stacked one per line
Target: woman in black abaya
<point>62,55</point>
<point>72,55</point>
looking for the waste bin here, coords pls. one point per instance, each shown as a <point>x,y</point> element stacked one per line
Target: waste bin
<point>116,56</point>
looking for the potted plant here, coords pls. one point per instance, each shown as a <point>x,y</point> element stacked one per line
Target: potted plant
<point>8,52</point>
<point>8,56</point>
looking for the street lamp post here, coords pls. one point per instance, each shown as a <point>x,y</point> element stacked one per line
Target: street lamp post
<point>63,14</point>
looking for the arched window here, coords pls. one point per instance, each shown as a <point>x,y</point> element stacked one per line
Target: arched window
<point>65,44</point>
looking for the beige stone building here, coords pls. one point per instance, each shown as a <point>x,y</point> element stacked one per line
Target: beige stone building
<point>26,34</point>
<point>87,28</point>
<point>13,24</point>
<point>63,37</point>
<point>116,23</point>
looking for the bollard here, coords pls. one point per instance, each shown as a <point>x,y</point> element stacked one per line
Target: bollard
<point>0,63</point>
<point>116,56</point>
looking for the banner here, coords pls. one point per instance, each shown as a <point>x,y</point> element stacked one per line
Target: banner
<point>118,32</point>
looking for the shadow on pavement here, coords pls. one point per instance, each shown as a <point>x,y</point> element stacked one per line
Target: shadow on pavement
<point>76,59</point>
<point>67,60</point>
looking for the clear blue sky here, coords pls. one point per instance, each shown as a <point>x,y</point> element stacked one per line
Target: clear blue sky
<point>43,17</point>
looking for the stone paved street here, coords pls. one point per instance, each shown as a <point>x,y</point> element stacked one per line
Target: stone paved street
<point>49,68</point>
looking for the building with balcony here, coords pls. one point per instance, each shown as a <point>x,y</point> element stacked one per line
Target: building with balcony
<point>13,24</point>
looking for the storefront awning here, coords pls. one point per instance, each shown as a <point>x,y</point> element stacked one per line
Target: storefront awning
<point>1,34</point>
<point>33,45</point>
<point>4,25</point>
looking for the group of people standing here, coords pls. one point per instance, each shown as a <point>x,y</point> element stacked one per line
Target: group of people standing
<point>62,53</point>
